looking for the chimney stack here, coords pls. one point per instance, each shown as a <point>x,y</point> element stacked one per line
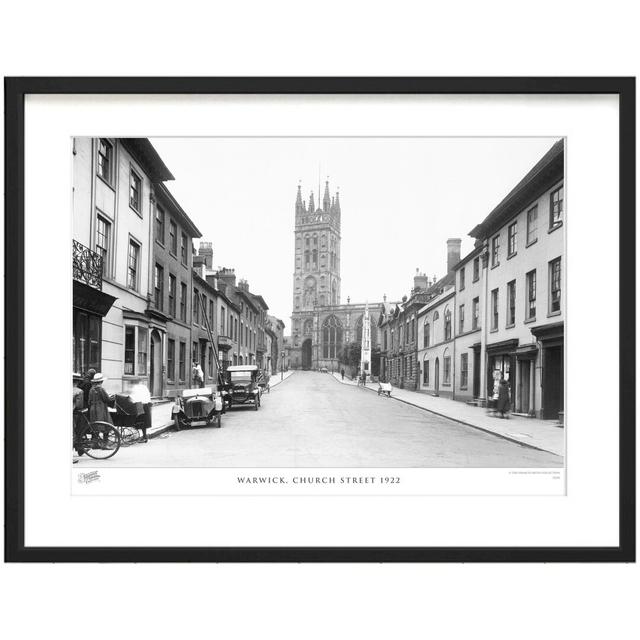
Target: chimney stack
<point>227,277</point>
<point>453,252</point>
<point>206,251</point>
<point>420,281</point>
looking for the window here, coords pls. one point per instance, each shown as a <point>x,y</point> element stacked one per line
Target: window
<point>447,325</point>
<point>495,251</point>
<point>211,314</point>
<point>195,309</point>
<point>142,351</point>
<point>476,313</point>
<point>222,321</point>
<point>425,373</point>
<point>132,265</point>
<point>331,337</point>
<point>135,191</point>
<point>173,237</point>
<point>172,295</point>
<point>531,295</point>
<point>87,342</point>
<point>555,286</point>
<point>135,365</point>
<point>160,225</point>
<point>464,370</point>
<point>427,334</point>
<point>183,248</point>
<point>210,362</point>
<point>105,160</point>
<point>103,243</point>
<point>241,333</point>
<point>461,319</point>
<point>555,212</point>
<point>171,359</point>
<point>462,279</point>
<point>158,284</point>
<point>532,225</point>
<point>183,302</point>
<point>511,303</point>
<point>476,269</point>
<point>129,350</point>
<point>494,310</point>
<point>511,239</point>
<point>181,361</point>
<point>446,374</point>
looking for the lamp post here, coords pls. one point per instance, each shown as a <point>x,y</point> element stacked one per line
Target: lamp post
<point>282,366</point>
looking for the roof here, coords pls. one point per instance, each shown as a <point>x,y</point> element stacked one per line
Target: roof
<point>545,173</point>
<point>182,216</point>
<point>146,155</point>
<point>261,300</point>
<point>243,367</point>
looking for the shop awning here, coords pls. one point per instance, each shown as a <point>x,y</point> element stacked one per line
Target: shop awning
<point>546,332</point>
<point>90,299</point>
<point>506,346</point>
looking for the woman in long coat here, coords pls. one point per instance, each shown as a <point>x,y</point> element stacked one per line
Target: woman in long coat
<point>503,398</point>
<point>98,401</point>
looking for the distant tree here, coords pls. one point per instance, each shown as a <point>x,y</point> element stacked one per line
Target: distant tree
<point>350,357</point>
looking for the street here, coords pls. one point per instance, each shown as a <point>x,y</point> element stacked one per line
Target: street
<point>311,420</point>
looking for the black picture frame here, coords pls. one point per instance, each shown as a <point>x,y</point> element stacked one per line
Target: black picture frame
<point>15,91</point>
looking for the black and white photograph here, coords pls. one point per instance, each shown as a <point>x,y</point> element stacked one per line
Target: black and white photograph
<point>319,303</point>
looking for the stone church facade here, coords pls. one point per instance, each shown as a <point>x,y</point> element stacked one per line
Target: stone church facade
<point>320,324</point>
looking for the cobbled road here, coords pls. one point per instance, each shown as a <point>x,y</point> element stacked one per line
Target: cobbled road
<point>311,420</point>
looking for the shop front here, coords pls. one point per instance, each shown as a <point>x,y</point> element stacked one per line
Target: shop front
<point>551,339</point>
<point>524,400</point>
<point>501,363</point>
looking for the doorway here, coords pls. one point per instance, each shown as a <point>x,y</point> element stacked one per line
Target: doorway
<point>155,364</point>
<point>476,373</point>
<point>436,377</point>
<point>524,386</point>
<point>553,389</point>
<point>306,354</point>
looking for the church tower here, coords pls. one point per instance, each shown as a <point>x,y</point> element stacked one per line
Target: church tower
<point>316,279</point>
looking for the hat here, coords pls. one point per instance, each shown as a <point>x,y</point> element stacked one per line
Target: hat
<point>98,378</point>
<point>90,373</point>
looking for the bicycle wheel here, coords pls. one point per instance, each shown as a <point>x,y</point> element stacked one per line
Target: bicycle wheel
<point>100,440</point>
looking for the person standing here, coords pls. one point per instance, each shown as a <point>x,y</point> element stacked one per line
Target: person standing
<point>99,401</point>
<point>342,372</point>
<point>198,375</point>
<point>85,385</point>
<point>502,405</point>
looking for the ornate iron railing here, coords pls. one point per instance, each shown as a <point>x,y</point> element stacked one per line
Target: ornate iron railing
<point>87,265</point>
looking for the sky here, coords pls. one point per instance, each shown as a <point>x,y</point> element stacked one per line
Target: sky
<point>401,198</point>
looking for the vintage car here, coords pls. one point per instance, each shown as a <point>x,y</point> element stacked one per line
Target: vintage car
<point>198,408</point>
<point>241,386</point>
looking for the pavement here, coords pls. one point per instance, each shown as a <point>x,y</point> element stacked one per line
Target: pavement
<point>310,420</point>
<point>546,435</point>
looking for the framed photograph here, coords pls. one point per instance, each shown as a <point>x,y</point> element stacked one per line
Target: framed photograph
<point>320,319</point>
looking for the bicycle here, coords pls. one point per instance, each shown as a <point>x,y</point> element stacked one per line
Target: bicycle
<point>99,440</point>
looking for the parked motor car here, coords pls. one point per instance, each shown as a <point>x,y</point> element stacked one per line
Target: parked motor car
<point>198,408</point>
<point>241,386</point>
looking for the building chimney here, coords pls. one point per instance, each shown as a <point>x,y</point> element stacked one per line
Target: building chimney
<point>227,277</point>
<point>206,251</point>
<point>420,281</point>
<point>243,285</point>
<point>453,252</point>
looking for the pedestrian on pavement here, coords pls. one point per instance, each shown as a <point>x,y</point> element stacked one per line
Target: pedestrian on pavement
<point>99,401</point>
<point>342,372</point>
<point>198,375</point>
<point>503,398</point>
<point>85,385</point>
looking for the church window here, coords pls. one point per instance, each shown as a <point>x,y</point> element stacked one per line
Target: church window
<point>308,326</point>
<point>315,259</point>
<point>331,337</point>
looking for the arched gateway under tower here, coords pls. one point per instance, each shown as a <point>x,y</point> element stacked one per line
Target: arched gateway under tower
<point>320,325</point>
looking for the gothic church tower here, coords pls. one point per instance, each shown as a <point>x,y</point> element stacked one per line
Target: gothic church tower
<point>316,279</point>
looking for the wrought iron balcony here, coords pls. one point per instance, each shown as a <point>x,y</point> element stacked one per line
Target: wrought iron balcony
<point>87,265</point>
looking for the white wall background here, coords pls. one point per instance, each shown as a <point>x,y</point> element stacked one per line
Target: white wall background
<point>331,38</point>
